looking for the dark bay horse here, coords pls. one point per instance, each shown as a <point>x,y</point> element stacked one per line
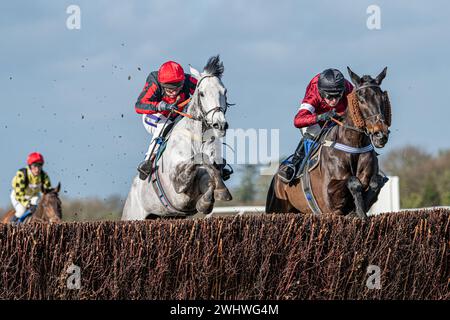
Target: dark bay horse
<point>346,179</point>
<point>48,210</point>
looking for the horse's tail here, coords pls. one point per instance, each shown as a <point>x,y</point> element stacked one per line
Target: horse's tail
<point>271,197</point>
<point>276,205</point>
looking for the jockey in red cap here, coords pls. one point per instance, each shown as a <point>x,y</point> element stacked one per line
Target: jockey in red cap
<point>162,91</point>
<point>326,95</point>
<point>27,185</point>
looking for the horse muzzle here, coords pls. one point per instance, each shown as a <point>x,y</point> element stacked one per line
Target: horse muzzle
<point>379,133</point>
<point>380,138</point>
<point>220,128</point>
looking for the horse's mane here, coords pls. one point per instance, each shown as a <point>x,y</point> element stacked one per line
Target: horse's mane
<point>353,104</point>
<point>214,67</point>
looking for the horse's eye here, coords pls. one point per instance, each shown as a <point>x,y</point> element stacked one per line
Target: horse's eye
<point>202,94</point>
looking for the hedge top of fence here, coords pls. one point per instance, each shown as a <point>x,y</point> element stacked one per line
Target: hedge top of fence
<point>283,256</point>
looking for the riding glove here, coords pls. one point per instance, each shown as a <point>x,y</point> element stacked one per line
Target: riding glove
<point>164,106</point>
<point>326,116</point>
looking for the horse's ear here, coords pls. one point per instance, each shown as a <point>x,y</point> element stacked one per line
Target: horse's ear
<point>354,77</point>
<point>381,76</point>
<point>194,72</point>
<point>58,187</point>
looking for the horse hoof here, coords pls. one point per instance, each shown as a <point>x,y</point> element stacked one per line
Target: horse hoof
<point>204,207</point>
<point>222,195</point>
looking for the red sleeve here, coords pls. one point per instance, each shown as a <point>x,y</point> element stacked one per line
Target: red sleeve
<point>311,95</point>
<point>192,84</point>
<point>306,115</point>
<point>148,99</point>
<point>304,118</point>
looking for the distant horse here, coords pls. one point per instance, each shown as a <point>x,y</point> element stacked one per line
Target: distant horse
<point>346,179</point>
<point>48,209</point>
<point>189,181</point>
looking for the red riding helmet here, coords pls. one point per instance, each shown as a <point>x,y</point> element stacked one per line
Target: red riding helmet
<point>35,157</point>
<point>170,72</point>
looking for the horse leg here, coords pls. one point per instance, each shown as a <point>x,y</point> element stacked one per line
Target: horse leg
<point>206,202</point>
<point>275,204</point>
<point>375,185</point>
<point>338,197</point>
<point>183,176</point>
<point>221,192</point>
<point>356,189</point>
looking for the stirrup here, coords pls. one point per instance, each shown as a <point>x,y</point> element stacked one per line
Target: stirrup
<point>143,175</point>
<point>286,180</point>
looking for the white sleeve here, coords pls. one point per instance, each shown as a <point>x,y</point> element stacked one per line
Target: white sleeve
<point>307,106</point>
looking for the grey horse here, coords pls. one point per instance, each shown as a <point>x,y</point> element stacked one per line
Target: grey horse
<point>188,174</point>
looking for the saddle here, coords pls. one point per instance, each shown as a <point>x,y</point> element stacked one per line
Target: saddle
<point>311,159</point>
<point>26,216</point>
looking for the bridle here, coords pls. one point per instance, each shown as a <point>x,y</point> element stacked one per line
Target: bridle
<point>379,117</point>
<point>204,115</point>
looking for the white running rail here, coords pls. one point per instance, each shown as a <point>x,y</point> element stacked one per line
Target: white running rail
<point>388,201</point>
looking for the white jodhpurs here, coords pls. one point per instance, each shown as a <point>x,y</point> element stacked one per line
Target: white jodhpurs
<point>154,124</point>
<point>313,130</point>
<point>18,207</point>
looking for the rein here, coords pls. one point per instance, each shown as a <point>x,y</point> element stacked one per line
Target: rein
<point>341,124</point>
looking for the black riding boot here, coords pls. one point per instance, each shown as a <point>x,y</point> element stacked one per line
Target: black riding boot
<point>144,168</point>
<point>288,168</point>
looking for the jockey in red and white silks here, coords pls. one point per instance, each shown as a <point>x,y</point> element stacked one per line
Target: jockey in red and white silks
<point>326,95</point>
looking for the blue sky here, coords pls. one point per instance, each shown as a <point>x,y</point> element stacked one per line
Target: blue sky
<point>66,93</point>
